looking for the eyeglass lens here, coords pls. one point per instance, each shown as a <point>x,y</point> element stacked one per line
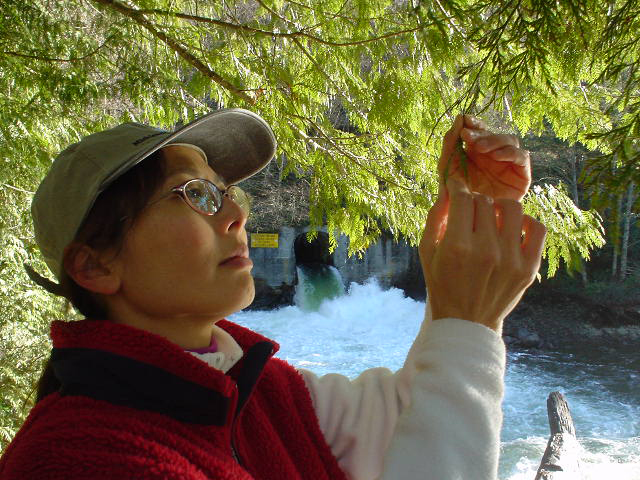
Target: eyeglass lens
<point>240,197</point>
<point>204,196</point>
<point>207,198</point>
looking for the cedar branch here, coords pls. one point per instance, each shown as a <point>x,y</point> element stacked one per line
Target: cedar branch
<point>268,33</point>
<point>348,155</point>
<point>138,17</point>
<point>60,60</point>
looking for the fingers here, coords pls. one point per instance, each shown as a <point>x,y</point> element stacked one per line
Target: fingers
<point>449,145</point>
<point>534,235</point>
<point>457,214</point>
<point>498,147</point>
<point>484,141</point>
<point>510,225</point>
<point>485,218</point>
<point>521,236</point>
<point>511,154</point>
<point>463,214</point>
<point>461,210</point>
<point>454,132</point>
<point>473,122</point>
<point>436,224</point>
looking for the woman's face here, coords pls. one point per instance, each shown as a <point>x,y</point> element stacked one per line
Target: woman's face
<point>176,262</point>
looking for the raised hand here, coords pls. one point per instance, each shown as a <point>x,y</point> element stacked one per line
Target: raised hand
<point>495,164</point>
<point>479,252</point>
<point>479,268</point>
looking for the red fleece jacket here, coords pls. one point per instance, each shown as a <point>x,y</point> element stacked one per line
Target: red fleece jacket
<point>134,405</point>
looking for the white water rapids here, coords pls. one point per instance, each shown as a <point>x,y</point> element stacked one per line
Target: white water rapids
<point>369,327</point>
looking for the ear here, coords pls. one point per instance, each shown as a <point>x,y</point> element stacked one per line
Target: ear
<point>90,270</point>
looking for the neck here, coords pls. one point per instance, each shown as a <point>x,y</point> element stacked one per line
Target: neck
<point>187,332</point>
<point>178,323</point>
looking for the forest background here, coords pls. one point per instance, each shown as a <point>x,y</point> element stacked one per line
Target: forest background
<point>359,93</point>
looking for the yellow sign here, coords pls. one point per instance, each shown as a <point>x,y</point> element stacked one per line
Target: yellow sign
<point>264,240</point>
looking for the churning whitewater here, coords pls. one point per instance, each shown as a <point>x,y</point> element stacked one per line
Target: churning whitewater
<point>371,327</point>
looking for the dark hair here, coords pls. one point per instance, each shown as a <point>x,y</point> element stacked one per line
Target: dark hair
<point>105,227</point>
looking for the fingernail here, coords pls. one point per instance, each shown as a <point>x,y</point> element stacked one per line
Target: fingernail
<point>474,134</point>
<point>474,120</point>
<point>482,143</point>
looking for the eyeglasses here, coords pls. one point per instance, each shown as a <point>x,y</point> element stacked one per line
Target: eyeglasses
<point>206,198</point>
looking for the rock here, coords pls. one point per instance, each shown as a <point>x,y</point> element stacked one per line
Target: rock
<point>393,263</point>
<point>522,333</point>
<point>633,315</point>
<point>525,338</point>
<point>532,341</point>
<point>269,297</point>
<point>528,338</point>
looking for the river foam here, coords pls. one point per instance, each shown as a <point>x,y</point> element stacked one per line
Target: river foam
<point>370,327</point>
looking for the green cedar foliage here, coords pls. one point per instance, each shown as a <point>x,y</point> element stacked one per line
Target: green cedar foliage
<point>359,92</point>
<point>565,222</point>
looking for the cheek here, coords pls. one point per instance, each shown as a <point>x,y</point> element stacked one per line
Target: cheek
<point>171,266</point>
<point>198,237</point>
<point>174,245</point>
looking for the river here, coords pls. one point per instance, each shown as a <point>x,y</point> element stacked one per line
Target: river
<point>370,327</point>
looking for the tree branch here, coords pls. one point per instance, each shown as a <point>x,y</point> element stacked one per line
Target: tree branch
<point>350,156</point>
<point>61,60</point>
<point>274,13</point>
<point>139,18</point>
<point>333,15</point>
<point>315,64</point>
<point>450,19</point>
<point>268,33</point>
<point>36,57</point>
<point>17,189</point>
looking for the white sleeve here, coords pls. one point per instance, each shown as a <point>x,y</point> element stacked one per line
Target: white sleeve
<point>360,418</point>
<point>451,429</point>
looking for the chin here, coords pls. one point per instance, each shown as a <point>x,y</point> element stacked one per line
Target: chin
<point>236,297</point>
<point>250,294</point>
<point>243,296</point>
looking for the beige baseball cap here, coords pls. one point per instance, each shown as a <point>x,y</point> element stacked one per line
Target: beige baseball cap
<point>237,144</point>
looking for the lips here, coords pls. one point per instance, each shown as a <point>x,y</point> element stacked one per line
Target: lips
<point>242,252</point>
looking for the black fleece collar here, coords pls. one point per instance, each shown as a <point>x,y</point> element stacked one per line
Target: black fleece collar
<point>121,380</point>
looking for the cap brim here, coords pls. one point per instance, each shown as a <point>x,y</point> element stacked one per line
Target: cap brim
<point>238,144</point>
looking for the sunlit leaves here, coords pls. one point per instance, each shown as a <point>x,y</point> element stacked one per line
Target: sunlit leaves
<point>571,233</point>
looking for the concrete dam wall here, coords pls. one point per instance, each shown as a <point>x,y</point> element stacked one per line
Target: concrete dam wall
<point>393,264</point>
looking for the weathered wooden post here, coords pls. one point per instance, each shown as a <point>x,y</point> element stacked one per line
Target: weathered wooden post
<point>561,459</point>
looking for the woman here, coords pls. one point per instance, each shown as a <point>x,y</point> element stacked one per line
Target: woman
<point>145,231</point>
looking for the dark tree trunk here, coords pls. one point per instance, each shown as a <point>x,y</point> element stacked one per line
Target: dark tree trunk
<point>576,200</point>
<point>626,226</point>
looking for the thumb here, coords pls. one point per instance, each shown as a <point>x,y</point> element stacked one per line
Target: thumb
<point>435,226</point>
<point>449,144</point>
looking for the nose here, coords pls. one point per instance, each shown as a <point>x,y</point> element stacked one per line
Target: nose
<point>230,217</point>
